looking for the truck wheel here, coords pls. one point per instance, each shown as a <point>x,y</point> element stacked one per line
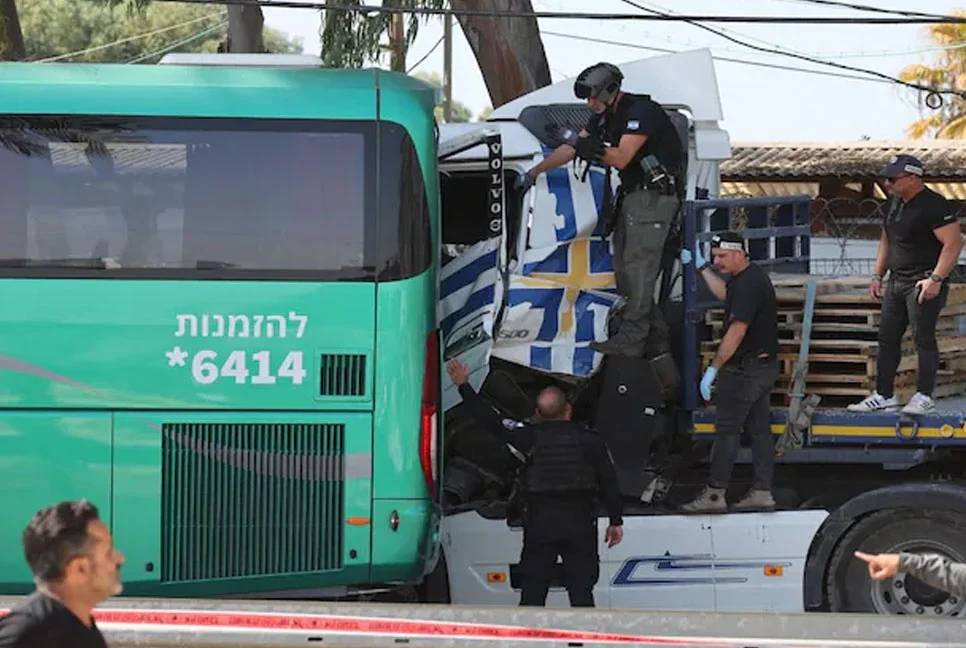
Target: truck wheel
<point>435,587</point>
<point>916,531</point>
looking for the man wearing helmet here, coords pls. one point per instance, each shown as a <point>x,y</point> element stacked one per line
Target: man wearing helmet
<point>633,134</point>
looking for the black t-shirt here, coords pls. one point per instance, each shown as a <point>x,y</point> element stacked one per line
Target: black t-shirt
<point>640,115</point>
<point>42,622</point>
<point>913,246</point>
<point>750,299</point>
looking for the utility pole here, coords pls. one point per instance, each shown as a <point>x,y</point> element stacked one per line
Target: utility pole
<point>397,43</point>
<point>447,68</point>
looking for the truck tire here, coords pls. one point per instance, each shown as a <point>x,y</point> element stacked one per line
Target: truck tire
<point>435,587</point>
<point>849,587</point>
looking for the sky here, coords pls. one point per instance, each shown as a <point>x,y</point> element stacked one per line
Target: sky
<point>760,103</point>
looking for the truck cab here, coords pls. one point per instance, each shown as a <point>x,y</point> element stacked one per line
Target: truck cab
<point>527,284</point>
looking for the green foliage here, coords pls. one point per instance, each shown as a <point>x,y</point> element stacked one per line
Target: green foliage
<point>56,27</point>
<point>949,122</point>
<point>460,112</point>
<point>352,39</point>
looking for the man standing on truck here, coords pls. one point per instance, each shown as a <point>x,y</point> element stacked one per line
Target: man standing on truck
<point>745,368</point>
<point>919,246</point>
<point>646,149</point>
<point>567,468</point>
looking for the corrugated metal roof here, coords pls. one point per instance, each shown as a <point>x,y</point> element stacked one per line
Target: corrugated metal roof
<point>941,158</point>
<point>791,187</point>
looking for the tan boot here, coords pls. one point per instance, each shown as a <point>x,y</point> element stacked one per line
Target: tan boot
<point>711,500</point>
<point>755,500</point>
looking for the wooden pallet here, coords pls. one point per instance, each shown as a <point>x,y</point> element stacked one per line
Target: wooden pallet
<point>836,318</point>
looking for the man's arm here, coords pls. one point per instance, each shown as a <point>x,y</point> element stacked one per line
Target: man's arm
<point>621,155</point>
<point>715,283</point>
<point>952,240</point>
<point>730,343</point>
<point>560,156</point>
<point>479,408</point>
<point>882,255</point>
<point>610,495</point>
<point>935,570</point>
<point>881,265</point>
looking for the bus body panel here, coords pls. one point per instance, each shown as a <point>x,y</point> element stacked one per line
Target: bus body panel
<point>46,457</point>
<point>227,461</point>
<point>179,345</point>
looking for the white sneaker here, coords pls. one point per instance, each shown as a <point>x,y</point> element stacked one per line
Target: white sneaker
<point>873,403</point>
<point>919,404</point>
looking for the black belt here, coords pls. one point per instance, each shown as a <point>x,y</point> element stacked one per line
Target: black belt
<point>668,187</point>
<point>751,359</point>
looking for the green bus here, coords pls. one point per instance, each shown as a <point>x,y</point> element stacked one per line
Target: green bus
<point>218,292</point>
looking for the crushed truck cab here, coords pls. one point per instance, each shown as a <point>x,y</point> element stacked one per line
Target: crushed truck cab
<point>527,283</point>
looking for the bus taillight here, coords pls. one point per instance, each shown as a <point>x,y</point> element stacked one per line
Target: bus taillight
<point>430,413</point>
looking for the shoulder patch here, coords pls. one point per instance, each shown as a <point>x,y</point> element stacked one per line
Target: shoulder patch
<point>633,124</point>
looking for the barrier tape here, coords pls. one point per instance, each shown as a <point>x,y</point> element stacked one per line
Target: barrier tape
<point>381,626</point>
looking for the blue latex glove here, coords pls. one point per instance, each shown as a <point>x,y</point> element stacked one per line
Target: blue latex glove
<point>687,256</point>
<point>707,381</point>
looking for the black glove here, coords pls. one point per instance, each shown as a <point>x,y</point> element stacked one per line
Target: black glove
<point>565,135</point>
<point>590,148</point>
<point>524,182</point>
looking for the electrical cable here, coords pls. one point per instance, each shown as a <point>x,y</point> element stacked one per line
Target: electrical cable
<point>577,15</point>
<point>176,45</point>
<point>861,7</point>
<point>426,55</point>
<point>128,39</point>
<point>933,95</point>
<point>726,59</point>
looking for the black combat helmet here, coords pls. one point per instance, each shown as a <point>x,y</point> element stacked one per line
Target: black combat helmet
<point>601,81</point>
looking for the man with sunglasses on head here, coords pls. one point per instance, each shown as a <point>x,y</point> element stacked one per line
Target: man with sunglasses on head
<point>76,567</point>
<point>632,133</point>
<point>919,246</point>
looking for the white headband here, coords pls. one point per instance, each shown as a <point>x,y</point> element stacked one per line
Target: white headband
<point>730,245</point>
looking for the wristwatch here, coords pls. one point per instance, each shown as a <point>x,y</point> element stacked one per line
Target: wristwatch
<point>936,278</point>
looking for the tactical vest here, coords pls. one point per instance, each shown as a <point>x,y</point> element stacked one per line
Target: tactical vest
<point>557,463</point>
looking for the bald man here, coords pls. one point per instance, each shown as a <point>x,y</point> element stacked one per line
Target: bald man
<point>568,469</point>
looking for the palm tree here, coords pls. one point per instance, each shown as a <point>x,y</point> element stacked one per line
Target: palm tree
<point>948,122</point>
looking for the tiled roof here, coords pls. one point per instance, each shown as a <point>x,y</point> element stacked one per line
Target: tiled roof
<point>941,158</point>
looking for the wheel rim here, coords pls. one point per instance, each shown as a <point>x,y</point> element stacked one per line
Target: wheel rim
<point>905,594</point>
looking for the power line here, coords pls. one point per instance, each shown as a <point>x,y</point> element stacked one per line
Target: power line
<point>426,55</point>
<point>931,91</point>
<point>788,68</point>
<point>176,45</point>
<point>128,39</point>
<point>577,15</point>
<point>882,10</point>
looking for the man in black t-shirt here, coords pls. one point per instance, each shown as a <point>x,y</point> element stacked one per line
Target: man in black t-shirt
<point>745,368</point>
<point>567,469</point>
<point>919,246</point>
<point>75,566</point>
<point>633,134</point>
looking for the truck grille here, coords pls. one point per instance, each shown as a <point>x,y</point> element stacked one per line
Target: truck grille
<point>251,500</point>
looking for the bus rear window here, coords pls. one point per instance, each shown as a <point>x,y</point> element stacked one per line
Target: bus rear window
<point>200,197</point>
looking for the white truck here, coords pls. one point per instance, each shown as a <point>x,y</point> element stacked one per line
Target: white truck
<point>527,283</point>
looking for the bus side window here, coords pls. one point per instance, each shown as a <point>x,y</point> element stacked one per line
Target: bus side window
<point>13,204</point>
